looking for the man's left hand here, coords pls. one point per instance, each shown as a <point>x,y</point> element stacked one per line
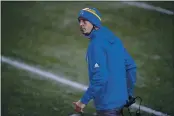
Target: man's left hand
<point>79,106</point>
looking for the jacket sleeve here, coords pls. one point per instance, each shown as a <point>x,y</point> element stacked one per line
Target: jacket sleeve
<point>98,71</point>
<point>131,80</point>
<point>130,72</point>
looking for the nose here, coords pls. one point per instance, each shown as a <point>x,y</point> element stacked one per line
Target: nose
<point>81,22</point>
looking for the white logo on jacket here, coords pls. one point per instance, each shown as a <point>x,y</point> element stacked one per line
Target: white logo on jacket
<point>96,65</point>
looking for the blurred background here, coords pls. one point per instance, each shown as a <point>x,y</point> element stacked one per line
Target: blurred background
<point>46,36</point>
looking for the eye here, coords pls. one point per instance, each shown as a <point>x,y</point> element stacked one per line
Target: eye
<point>85,21</point>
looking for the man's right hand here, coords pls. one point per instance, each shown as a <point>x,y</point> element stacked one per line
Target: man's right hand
<point>78,106</point>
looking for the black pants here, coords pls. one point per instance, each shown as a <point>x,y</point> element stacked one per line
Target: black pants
<point>112,112</point>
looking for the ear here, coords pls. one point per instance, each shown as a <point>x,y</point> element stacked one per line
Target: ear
<point>96,28</point>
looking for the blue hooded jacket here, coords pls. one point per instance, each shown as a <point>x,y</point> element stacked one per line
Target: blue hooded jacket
<point>107,74</point>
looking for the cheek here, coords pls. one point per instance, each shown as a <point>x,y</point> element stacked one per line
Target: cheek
<point>88,27</point>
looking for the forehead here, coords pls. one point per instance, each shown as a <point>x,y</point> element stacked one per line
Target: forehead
<point>81,18</point>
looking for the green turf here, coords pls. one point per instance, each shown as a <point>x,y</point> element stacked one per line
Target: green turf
<point>24,95</point>
<point>46,34</point>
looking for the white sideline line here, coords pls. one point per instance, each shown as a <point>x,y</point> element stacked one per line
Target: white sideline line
<point>150,7</point>
<point>62,80</point>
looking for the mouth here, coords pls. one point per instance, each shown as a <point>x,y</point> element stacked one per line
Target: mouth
<point>82,29</point>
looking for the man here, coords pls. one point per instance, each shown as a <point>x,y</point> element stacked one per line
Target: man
<point>108,66</point>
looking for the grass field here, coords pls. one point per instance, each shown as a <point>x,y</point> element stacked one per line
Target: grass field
<point>46,35</point>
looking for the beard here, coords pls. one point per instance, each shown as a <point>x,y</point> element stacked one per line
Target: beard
<point>83,30</point>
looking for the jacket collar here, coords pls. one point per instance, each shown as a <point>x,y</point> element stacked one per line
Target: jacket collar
<point>92,34</point>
